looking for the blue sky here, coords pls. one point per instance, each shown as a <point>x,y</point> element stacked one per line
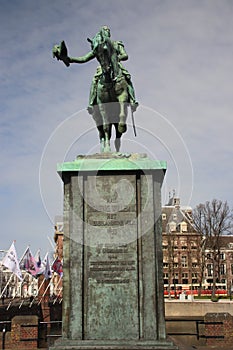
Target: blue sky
<point>181,62</point>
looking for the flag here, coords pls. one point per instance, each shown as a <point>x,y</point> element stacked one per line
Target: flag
<point>45,267</point>
<point>57,267</point>
<point>29,263</point>
<point>10,260</point>
<point>38,259</point>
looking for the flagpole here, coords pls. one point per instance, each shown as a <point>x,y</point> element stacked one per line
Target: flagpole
<point>59,290</point>
<point>30,305</point>
<point>45,291</point>
<point>46,255</point>
<point>24,276</point>
<point>12,274</point>
<point>28,270</point>
<point>44,260</point>
<point>29,285</point>
<point>16,293</point>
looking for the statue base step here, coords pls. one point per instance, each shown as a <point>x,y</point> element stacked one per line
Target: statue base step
<point>66,344</point>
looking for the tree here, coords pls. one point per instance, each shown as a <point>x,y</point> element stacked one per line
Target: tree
<point>212,220</point>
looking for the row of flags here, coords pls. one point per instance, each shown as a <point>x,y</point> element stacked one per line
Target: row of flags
<point>32,264</point>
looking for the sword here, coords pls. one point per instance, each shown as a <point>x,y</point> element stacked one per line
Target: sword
<point>133,122</point>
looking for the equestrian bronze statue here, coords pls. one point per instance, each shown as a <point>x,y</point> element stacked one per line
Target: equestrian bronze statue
<point>112,91</point>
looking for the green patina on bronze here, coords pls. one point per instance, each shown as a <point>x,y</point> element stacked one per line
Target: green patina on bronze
<point>92,163</point>
<point>111,90</point>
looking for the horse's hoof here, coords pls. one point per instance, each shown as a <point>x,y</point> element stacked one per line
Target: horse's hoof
<point>122,128</point>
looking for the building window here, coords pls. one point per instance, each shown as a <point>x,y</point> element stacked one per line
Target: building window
<point>208,256</point>
<point>172,226</point>
<point>164,216</point>
<point>232,269</point>
<point>222,256</point>
<point>165,264</point>
<point>183,226</point>
<point>209,270</point>
<point>184,275</point>
<point>184,261</point>
<point>222,269</point>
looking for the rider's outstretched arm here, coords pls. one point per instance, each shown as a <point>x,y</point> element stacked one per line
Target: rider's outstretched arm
<point>82,59</point>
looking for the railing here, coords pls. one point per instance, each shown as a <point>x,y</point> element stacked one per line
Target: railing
<point>50,331</point>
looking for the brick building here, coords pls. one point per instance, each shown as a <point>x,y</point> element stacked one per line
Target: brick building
<point>186,265</point>
<point>225,264</point>
<point>181,248</point>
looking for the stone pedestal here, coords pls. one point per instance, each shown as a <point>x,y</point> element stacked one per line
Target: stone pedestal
<point>113,267</point>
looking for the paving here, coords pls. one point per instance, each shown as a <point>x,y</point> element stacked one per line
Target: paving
<point>181,346</point>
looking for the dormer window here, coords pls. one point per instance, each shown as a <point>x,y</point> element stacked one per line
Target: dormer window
<point>172,226</point>
<point>183,226</point>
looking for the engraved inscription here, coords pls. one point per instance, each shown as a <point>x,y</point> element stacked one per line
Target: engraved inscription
<point>111,263</point>
<point>113,267</point>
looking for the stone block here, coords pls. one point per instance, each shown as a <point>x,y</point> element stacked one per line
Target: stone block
<point>113,268</point>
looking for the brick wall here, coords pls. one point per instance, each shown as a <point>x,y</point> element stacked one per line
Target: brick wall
<point>225,329</point>
<point>24,333</point>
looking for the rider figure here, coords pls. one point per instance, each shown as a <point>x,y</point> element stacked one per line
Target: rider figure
<point>121,55</point>
<point>102,39</point>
